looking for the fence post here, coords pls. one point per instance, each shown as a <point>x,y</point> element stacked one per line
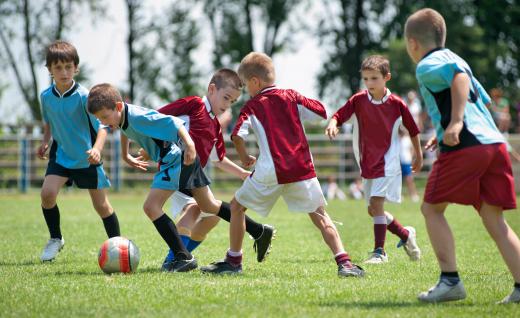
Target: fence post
<point>24,164</point>
<point>114,163</point>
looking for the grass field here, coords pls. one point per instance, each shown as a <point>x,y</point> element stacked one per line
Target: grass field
<point>297,280</point>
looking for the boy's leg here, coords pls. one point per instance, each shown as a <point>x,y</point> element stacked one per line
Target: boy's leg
<point>105,211</point>
<point>407,234</point>
<point>450,286</point>
<point>189,215</point>
<point>507,242</point>
<point>152,206</point>
<point>377,212</point>
<point>51,213</point>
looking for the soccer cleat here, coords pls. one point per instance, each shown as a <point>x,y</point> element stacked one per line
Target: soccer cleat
<point>410,246</point>
<point>378,256</point>
<point>221,267</point>
<point>350,271</point>
<point>513,298</point>
<point>262,245</point>
<point>443,292</point>
<point>168,260</point>
<point>182,265</point>
<point>51,249</point>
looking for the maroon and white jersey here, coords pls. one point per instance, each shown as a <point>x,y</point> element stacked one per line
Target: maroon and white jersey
<point>275,115</point>
<point>376,132</point>
<point>202,125</point>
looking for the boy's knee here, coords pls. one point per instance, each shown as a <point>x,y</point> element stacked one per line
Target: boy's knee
<point>48,198</point>
<point>149,208</point>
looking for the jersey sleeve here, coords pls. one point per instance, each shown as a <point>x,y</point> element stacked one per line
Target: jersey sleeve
<point>345,112</point>
<point>96,124</point>
<point>308,108</point>
<point>243,123</point>
<point>45,117</point>
<point>177,108</point>
<point>408,121</point>
<point>437,75</point>
<point>219,146</point>
<point>158,126</point>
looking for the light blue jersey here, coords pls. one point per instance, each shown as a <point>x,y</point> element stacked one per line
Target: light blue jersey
<point>435,73</point>
<point>73,129</point>
<point>158,135</point>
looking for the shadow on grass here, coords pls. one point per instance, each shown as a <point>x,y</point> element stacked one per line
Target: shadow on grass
<point>387,304</point>
<point>20,263</point>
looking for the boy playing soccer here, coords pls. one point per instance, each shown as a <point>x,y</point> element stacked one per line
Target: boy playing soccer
<point>200,115</point>
<point>159,135</point>
<point>284,166</point>
<point>75,154</point>
<point>473,167</point>
<point>377,117</point>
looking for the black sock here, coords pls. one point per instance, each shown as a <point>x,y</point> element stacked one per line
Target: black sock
<point>52,218</point>
<point>168,231</point>
<point>111,225</point>
<point>517,285</point>
<point>451,277</point>
<point>252,228</point>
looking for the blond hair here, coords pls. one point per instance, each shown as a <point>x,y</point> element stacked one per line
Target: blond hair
<point>427,27</point>
<point>103,96</point>
<point>259,65</point>
<point>376,63</point>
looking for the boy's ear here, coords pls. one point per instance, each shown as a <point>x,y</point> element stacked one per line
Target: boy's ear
<point>212,89</point>
<point>388,76</point>
<point>119,106</point>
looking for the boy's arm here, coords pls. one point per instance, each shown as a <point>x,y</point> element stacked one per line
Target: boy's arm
<point>230,167</point>
<point>418,160</point>
<point>459,95</point>
<point>94,154</point>
<point>189,151</point>
<point>240,145</point>
<point>128,158</point>
<point>45,142</point>
<point>342,115</point>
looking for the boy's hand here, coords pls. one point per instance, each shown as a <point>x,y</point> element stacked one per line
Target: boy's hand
<point>417,164</point>
<point>143,155</point>
<point>135,162</point>
<point>245,174</point>
<point>189,154</point>
<point>431,144</point>
<point>94,156</point>
<point>42,150</point>
<point>451,134</point>
<point>248,161</point>
<point>332,129</point>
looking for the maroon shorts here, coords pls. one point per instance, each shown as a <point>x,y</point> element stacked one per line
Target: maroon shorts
<point>471,176</point>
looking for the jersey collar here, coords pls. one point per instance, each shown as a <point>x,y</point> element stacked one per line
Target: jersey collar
<point>208,107</point>
<point>431,51</point>
<point>379,102</point>
<point>124,124</point>
<point>69,92</point>
<point>265,89</point>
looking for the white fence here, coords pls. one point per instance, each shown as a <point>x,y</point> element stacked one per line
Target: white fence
<point>21,169</point>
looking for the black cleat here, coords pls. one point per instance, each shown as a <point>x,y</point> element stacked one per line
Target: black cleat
<point>182,265</point>
<point>262,245</point>
<point>222,267</point>
<point>354,271</point>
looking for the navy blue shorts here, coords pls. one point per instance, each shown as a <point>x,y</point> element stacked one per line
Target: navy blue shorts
<point>93,177</point>
<point>192,177</point>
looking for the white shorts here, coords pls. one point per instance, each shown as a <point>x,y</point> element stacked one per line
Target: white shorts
<point>302,196</point>
<point>386,187</point>
<point>180,200</point>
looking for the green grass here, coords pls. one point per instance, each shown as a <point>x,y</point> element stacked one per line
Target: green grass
<point>297,280</point>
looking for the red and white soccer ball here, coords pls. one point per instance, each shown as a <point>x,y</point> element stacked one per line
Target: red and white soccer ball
<point>118,255</point>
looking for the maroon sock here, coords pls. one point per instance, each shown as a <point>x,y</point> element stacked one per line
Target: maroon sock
<point>379,235</point>
<point>234,260</point>
<point>343,259</point>
<point>396,228</point>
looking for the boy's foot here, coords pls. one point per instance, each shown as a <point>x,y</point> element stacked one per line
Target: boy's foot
<point>221,267</point>
<point>350,271</point>
<point>51,249</point>
<point>378,256</point>
<point>182,265</point>
<point>513,298</point>
<point>262,245</point>
<point>410,246</point>
<point>443,291</point>
<point>168,260</point>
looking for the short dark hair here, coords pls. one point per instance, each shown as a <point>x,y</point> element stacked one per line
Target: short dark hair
<point>103,96</point>
<point>376,63</point>
<point>427,27</point>
<point>61,51</point>
<point>226,77</point>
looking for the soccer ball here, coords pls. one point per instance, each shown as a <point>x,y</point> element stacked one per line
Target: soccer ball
<point>118,255</point>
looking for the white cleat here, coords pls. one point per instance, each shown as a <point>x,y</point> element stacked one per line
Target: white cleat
<point>443,292</point>
<point>513,298</point>
<point>410,246</point>
<point>378,256</point>
<point>53,247</point>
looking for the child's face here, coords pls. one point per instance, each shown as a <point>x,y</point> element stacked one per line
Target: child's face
<point>222,99</point>
<point>412,47</point>
<point>374,81</point>
<point>63,72</point>
<point>110,117</point>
